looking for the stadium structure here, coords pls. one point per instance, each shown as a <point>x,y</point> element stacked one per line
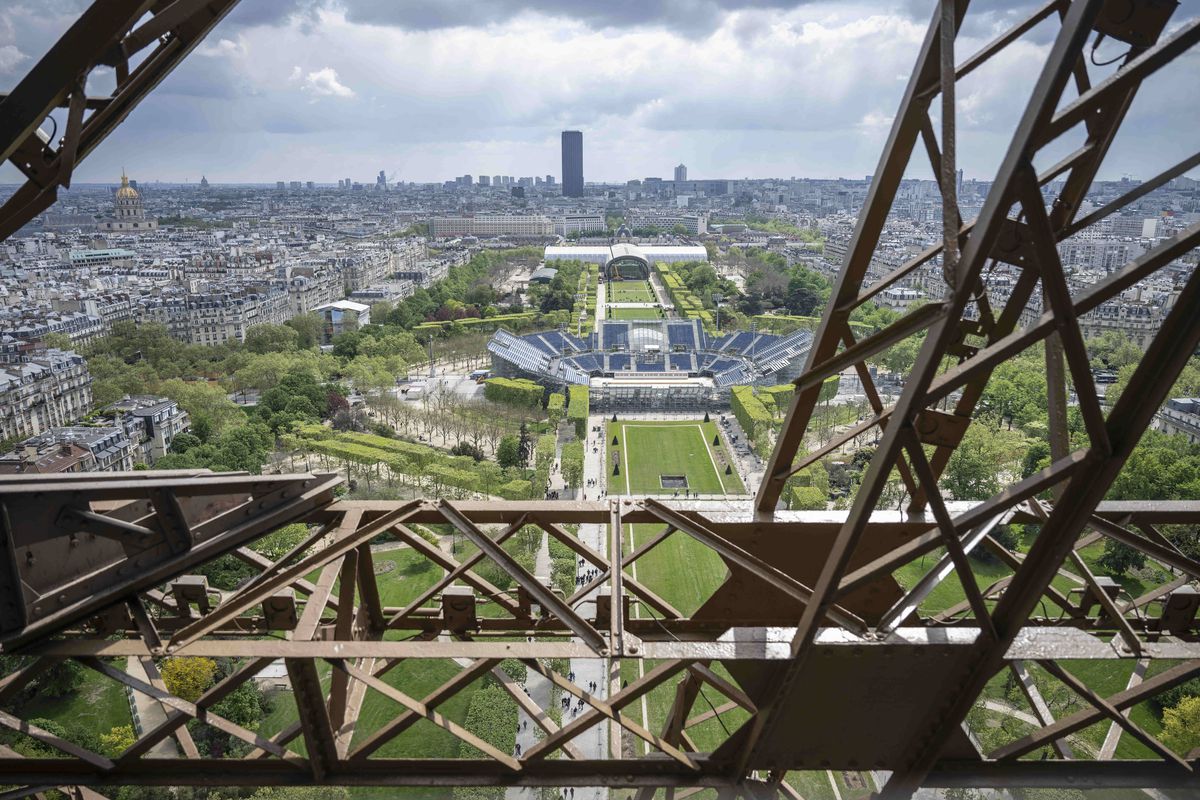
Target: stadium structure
<point>625,259</point>
<point>651,364</point>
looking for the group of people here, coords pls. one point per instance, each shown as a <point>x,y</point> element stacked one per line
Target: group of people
<point>587,577</point>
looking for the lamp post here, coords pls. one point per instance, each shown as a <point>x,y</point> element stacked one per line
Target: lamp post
<point>717,298</point>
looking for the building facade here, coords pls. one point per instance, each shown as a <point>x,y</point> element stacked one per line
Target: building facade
<point>71,449</point>
<point>40,388</point>
<point>485,225</point>
<point>151,424</point>
<point>572,163</point>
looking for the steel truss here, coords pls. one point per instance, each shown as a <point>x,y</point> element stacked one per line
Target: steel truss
<point>810,623</point>
<point>141,40</point>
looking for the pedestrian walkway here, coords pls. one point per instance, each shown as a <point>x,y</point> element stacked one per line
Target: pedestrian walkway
<point>150,712</point>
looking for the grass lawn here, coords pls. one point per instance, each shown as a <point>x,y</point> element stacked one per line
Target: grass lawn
<point>97,706</point>
<point>622,313</point>
<point>402,575</point>
<point>630,292</point>
<point>649,450</point>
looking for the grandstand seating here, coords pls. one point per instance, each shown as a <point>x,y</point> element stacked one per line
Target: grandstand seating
<point>541,344</point>
<point>739,342</point>
<point>615,336</point>
<point>682,334</point>
<point>681,361</point>
<point>730,359</point>
<point>619,361</point>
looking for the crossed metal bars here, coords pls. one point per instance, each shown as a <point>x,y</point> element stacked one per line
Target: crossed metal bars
<point>141,40</point>
<point>913,423</point>
<point>343,623</point>
<point>809,610</point>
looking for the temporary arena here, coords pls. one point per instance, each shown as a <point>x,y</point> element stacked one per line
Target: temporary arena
<point>659,364</point>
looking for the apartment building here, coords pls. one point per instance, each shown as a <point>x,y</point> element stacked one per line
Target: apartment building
<point>40,388</point>
<point>150,422</point>
<point>492,225</point>
<point>71,449</point>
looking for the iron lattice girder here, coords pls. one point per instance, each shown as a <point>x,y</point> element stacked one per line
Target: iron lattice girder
<point>676,652</point>
<point>113,33</point>
<point>790,576</point>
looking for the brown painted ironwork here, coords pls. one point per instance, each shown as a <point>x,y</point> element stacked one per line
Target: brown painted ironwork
<point>810,620</point>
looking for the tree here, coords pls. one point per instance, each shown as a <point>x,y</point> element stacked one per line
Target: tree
<point>1181,726</point>
<point>525,444</point>
<point>508,454</point>
<point>557,299</point>
<point>467,449</point>
<point>61,679</point>
<point>1117,559</point>
<point>118,739</point>
<point>271,338</point>
<point>188,678</point>
<point>301,793</point>
<point>309,330</point>
<point>972,472</point>
<point>350,420</point>
<point>204,402</point>
<point>900,357</point>
<point>58,340</point>
<point>184,442</point>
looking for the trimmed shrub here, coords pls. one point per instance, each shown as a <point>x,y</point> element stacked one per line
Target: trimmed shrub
<point>555,408</point>
<point>577,409</point>
<point>514,392</point>
<point>754,417</point>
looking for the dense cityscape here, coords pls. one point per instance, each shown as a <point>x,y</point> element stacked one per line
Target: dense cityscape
<point>303,272</point>
<point>545,487</point>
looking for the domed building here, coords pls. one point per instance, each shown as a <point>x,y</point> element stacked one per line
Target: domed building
<point>129,213</point>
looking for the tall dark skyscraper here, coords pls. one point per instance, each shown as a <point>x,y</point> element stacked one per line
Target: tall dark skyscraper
<point>572,163</point>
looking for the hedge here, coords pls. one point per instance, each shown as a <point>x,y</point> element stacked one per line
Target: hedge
<point>829,388</point>
<point>555,407</point>
<point>577,409</point>
<point>572,463</point>
<point>514,490</point>
<point>492,716</point>
<point>781,394</point>
<point>514,392</point>
<point>418,460</point>
<point>753,416</point>
<point>475,322</point>
<point>687,304</point>
<point>807,498</point>
<point>544,450</point>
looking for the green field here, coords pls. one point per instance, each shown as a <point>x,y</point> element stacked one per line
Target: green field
<point>402,575</point>
<point>649,450</point>
<point>630,292</point>
<point>618,312</point>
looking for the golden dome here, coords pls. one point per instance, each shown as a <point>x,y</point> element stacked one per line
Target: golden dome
<point>126,192</point>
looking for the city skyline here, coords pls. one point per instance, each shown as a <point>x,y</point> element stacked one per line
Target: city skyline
<point>734,89</point>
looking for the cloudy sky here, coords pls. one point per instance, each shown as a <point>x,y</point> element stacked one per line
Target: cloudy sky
<point>429,89</point>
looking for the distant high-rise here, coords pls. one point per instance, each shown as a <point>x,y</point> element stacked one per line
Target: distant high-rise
<point>572,163</point>
<point>680,174</point>
<point>381,180</point>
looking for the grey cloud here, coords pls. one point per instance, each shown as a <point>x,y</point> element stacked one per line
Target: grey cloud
<point>690,16</point>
